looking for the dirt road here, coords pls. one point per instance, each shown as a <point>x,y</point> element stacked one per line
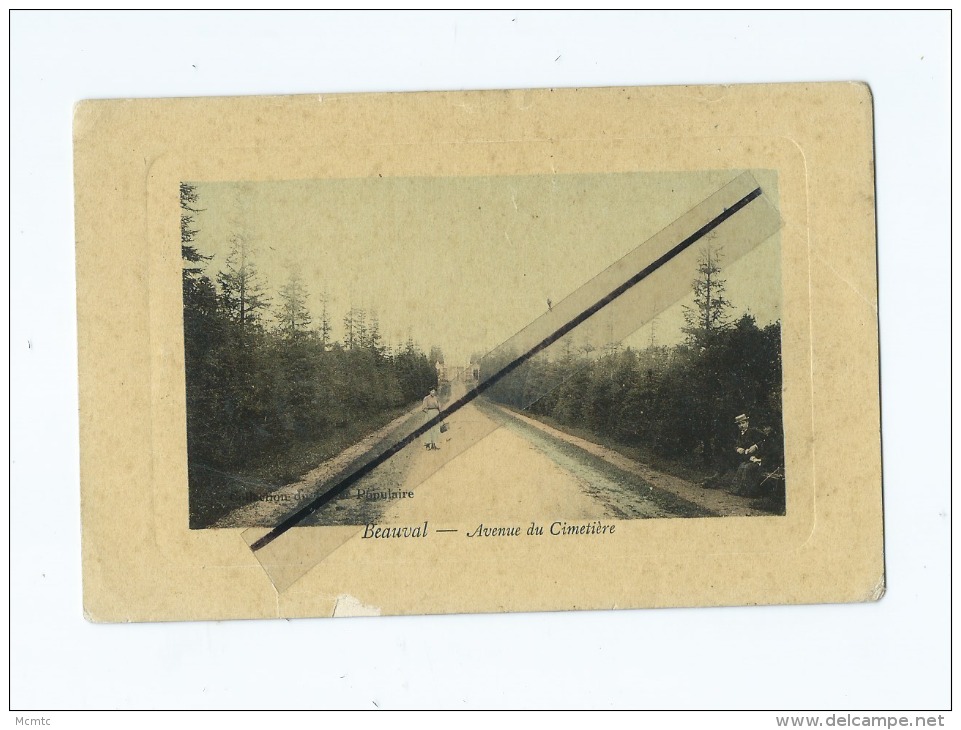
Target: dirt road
<point>495,465</point>
<point>513,474</point>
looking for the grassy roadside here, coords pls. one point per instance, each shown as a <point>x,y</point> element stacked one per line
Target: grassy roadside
<point>771,499</point>
<point>214,494</point>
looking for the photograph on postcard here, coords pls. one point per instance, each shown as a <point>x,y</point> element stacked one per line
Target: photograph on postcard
<point>357,350</point>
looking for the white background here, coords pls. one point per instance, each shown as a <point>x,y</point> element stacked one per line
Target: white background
<point>893,654</point>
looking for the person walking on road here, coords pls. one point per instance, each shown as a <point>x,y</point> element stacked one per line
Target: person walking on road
<point>431,408</point>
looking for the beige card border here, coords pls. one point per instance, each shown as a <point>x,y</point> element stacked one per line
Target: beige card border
<point>140,561</point>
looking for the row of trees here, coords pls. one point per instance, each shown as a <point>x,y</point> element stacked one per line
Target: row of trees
<point>262,375</point>
<point>674,402</point>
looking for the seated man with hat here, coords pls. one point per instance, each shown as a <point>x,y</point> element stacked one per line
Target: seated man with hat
<point>749,446</point>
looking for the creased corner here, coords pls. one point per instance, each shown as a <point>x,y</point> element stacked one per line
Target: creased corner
<point>346,606</point>
<point>877,592</point>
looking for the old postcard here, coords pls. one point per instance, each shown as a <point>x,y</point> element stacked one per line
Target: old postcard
<point>478,351</point>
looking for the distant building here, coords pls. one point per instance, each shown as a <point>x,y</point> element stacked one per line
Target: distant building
<point>451,373</point>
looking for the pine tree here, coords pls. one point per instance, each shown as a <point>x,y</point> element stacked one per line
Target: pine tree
<point>706,321</point>
<point>188,199</point>
<point>241,293</point>
<point>710,313</point>
<point>361,336</point>
<point>294,317</point>
<point>375,340</point>
<point>325,328</point>
<point>350,340</point>
<point>193,268</point>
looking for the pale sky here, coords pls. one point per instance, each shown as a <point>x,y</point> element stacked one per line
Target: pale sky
<point>465,262</point>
